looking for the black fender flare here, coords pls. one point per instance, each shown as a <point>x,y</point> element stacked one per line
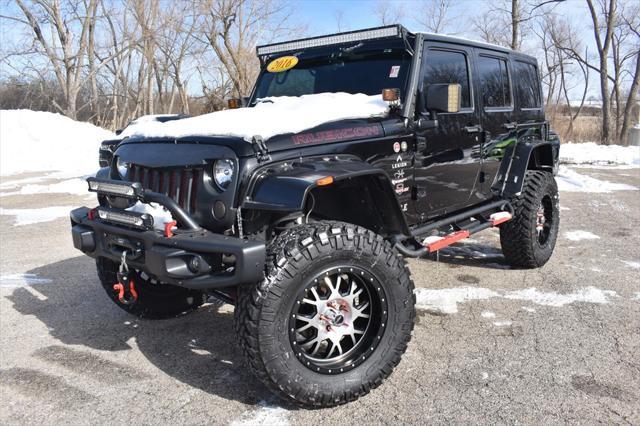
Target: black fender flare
<point>532,154</point>
<point>285,186</point>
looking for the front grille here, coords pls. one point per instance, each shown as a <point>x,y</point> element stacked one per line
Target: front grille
<point>179,184</point>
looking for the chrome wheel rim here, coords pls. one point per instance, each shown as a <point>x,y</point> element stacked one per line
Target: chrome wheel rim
<point>338,319</point>
<point>544,219</point>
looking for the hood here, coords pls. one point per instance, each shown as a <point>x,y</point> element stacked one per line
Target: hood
<point>270,117</point>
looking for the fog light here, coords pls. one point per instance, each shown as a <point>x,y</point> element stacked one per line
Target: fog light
<point>194,265</point>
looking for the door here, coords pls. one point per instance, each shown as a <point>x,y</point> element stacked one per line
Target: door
<point>498,120</point>
<point>447,161</point>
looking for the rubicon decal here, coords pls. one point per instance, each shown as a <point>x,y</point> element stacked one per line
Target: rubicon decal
<point>336,135</point>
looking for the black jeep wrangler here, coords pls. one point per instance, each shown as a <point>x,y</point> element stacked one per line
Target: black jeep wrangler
<point>306,233</point>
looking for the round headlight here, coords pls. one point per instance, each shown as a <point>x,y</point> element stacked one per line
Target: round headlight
<point>123,167</point>
<point>223,173</point>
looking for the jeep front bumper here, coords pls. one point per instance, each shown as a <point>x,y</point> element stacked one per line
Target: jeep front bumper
<point>188,259</point>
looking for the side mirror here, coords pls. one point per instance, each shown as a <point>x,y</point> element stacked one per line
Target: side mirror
<point>443,97</point>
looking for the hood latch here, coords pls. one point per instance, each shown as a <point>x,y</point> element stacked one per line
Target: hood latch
<point>260,149</point>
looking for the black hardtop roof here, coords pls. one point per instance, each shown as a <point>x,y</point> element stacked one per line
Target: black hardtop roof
<point>402,32</point>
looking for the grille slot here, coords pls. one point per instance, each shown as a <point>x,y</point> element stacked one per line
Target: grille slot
<point>179,184</point>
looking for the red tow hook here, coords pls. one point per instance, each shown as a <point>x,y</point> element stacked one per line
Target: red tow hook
<point>168,228</point>
<point>126,297</point>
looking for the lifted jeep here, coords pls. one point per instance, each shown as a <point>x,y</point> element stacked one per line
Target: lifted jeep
<point>305,232</point>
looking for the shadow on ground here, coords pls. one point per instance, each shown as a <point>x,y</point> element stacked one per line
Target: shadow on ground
<point>470,254</point>
<point>198,349</point>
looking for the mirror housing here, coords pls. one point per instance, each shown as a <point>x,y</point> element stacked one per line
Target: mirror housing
<point>443,97</point>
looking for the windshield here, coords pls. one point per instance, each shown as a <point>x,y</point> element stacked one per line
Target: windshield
<point>366,73</point>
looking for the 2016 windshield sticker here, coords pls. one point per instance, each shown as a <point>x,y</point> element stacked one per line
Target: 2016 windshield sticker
<point>283,63</point>
<point>395,70</point>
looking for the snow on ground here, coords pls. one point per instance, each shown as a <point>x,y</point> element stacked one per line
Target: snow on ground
<point>70,186</point>
<point>592,153</point>
<point>32,141</point>
<point>446,300</point>
<point>580,235</point>
<point>272,116</point>
<point>631,264</point>
<point>266,414</point>
<point>571,181</point>
<point>31,216</point>
<point>21,280</point>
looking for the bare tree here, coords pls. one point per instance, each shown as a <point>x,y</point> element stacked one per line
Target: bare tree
<point>64,42</point>
<point>436,16</point>
<point>232,29</point>
<point>388,12</point>
<point>341,24</point>
<point>603,21</point>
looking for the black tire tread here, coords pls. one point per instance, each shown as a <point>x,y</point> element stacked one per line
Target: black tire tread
<point>515,235</point>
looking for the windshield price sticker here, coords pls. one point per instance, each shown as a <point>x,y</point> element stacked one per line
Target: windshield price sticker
<point>395,70</point>
<point>283,63</point>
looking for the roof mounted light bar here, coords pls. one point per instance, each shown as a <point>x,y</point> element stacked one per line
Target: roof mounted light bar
<point>360,35</point>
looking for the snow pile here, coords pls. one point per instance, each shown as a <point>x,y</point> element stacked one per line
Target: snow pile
<point>580,235</point>
<point>32,141</point>
<point>591,153</point>
<point>32,216</point>
<point>272,116</point>
<point>445,301</point>
<point>572,181</point>
<point>160,215</point>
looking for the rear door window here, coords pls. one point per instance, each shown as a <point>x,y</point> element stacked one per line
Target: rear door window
<point>494,82</point>
<point>443,66</point>
<point>525,77</point>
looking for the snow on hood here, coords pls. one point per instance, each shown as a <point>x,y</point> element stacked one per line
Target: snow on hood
<point>271,116</point>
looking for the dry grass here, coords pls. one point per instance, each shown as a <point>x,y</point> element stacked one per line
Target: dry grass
<point>585,128</point>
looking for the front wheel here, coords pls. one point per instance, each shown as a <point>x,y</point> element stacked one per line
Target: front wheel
<point>155,300</point>
<point>529,238</point>
<point>333,316</point>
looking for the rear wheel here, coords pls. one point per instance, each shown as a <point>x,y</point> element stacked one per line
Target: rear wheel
<point>331,319</point>
<point>529,238</point>
<point>155,300</point>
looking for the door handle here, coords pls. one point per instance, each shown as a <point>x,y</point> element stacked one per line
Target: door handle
<point>473,129</point>
<point>510,126</point>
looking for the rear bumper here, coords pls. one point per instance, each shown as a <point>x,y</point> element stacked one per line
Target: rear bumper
<point>171,260</point>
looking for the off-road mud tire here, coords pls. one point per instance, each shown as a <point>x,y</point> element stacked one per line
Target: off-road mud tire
<point>155,301</point>
<point>263,310</point>
<point>519,236</point>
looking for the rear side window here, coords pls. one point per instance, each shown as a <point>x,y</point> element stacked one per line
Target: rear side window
<point>525,78</point>
<point>494,81</point>
<point>443,66</point>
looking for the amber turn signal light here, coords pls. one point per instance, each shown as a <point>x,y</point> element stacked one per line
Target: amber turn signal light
<point>234,103</point>
<point>390,95</point>
<point>325,181</point>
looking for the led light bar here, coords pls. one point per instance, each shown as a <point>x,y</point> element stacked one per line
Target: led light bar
<point>122,217</point>
<point>115,187</point>
<point>371,34</point>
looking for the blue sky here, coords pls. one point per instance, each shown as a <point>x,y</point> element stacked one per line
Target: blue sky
<point>320,17</point>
